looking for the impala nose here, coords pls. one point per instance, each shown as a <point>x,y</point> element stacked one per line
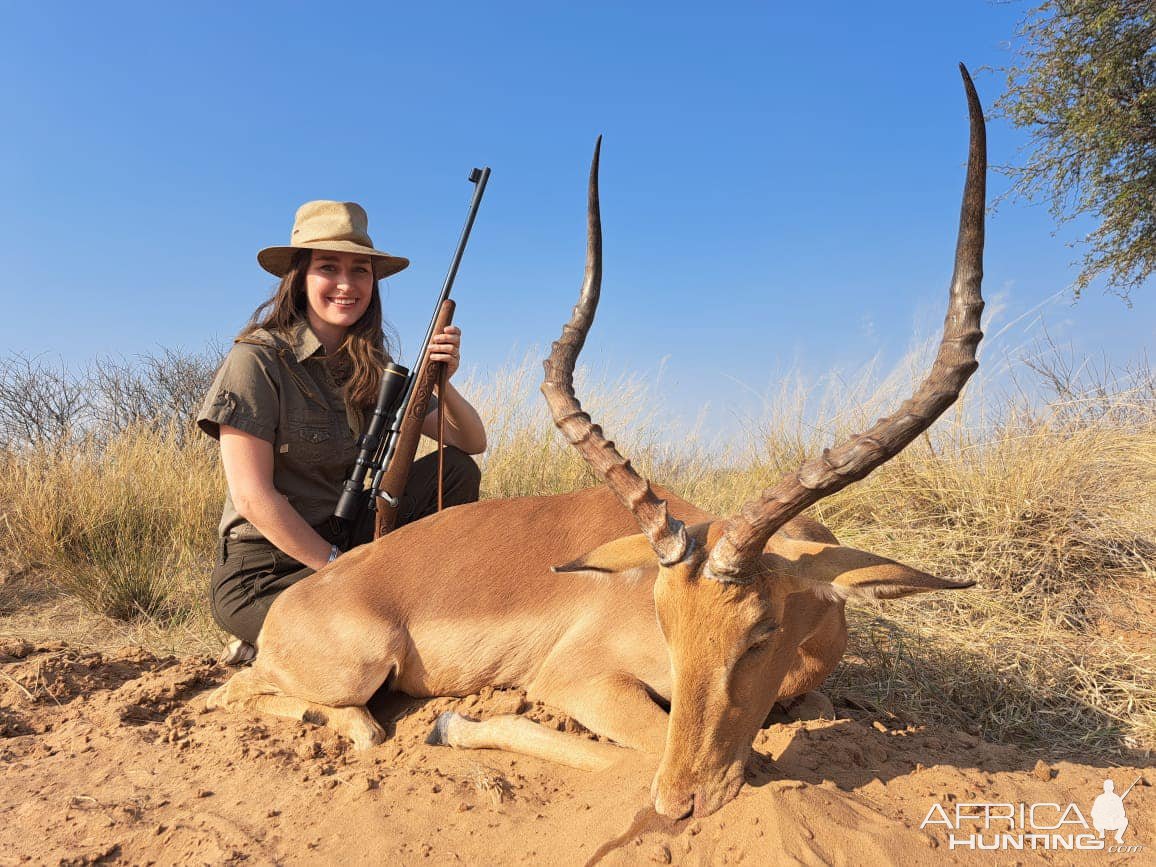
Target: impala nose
<point>684,796</point>
<point>674,807</point>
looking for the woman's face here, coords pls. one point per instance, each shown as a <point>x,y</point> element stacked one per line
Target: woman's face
<point>338,287</point>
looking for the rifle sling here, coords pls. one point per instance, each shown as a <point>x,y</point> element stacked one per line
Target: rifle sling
<point>442,379</point>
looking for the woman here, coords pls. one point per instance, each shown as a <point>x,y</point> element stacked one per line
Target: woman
<point>288,404</point>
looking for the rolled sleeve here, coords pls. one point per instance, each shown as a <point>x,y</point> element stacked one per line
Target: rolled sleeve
<point>245,394</point>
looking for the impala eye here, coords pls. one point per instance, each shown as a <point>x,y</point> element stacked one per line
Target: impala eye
<point>763,631</point>
<point>761,634</point>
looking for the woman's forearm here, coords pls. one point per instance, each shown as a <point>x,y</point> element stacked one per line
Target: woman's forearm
<point>283,526</point>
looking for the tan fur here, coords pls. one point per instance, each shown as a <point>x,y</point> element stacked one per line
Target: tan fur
<point>467,599</point>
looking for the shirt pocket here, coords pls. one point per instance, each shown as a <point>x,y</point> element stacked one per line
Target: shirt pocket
<point>310,431</point>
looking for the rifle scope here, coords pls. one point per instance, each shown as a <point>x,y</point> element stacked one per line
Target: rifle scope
<point>393,382</point>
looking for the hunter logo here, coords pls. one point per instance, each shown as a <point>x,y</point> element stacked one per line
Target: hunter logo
<point>1108,812</point>
<point>1049,826</point>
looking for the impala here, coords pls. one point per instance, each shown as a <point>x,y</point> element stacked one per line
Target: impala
<point>715,619</point>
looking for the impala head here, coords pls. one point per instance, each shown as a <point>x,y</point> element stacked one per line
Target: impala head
<point>724,590</point>
<point>732,642</point>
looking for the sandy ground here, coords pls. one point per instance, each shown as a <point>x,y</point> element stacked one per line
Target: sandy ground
<point>112,758</point>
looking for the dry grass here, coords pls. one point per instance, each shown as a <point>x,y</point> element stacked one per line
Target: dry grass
<point>123,526</point>
<point>1045,493</point>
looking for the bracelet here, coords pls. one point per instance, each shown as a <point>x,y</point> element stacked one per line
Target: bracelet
<point>334,553</point>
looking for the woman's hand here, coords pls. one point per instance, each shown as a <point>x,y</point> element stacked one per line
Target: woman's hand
<point>447,347</point>
<point>464,428</point>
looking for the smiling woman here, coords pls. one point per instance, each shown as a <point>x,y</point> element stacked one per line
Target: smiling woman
<point>288,405</point>
<point>338,287</point>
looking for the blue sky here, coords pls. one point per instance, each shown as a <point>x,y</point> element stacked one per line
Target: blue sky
<point>780,186</point>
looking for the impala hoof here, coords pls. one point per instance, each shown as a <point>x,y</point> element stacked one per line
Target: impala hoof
<point>366,735</point>
<point>439,735</point>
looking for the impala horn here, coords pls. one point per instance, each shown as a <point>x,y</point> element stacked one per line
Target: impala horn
<point>667,535</point>
<point>734,558</point>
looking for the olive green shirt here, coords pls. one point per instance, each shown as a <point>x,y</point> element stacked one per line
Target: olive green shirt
<point>282,389</point>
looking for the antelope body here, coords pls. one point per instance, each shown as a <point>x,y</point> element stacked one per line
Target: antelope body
<point>492,614</point>
<point>715,619</point>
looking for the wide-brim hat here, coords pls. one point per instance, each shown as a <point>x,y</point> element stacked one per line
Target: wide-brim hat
<point>342,227</point>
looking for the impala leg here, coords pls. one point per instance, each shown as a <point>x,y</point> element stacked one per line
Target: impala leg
<point>354,722</point>
<point>615,706</point>
<point>245,691</point>
<point>236,692</point>
<point>516,734</point>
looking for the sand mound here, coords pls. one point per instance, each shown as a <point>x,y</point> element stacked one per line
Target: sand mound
<point>112,758</point>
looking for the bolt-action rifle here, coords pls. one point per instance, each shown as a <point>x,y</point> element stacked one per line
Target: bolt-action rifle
<point>387,447</point>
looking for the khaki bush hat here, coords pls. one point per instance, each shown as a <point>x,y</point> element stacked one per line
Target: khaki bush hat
<point>342,227</point>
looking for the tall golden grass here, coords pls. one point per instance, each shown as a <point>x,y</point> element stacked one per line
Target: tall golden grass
<point>1046,495</point>
<point>125,525</point>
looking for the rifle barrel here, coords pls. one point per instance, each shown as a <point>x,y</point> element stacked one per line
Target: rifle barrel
<point>478,177</point>
<point>388,444</point>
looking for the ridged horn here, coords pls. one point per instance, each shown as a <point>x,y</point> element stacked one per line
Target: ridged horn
<point>734,557</point>
<point>666,534</point>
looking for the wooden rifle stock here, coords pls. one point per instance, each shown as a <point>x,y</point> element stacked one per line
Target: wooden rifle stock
<point>391,462</point>
<point>394,480</point>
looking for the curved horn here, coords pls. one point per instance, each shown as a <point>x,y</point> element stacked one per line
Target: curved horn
<point>666,534</point>
<point>736,553</point>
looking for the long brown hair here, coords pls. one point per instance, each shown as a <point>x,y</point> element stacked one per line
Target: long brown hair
<point>365,349</point>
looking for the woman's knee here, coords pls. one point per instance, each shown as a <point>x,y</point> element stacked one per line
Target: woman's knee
<point>235,611</point>
<point>463,476</point>
<point>243,587</point>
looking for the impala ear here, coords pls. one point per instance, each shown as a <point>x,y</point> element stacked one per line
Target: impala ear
<point>891,580</point>
<point>839,572</point>
<point>621,555</point>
